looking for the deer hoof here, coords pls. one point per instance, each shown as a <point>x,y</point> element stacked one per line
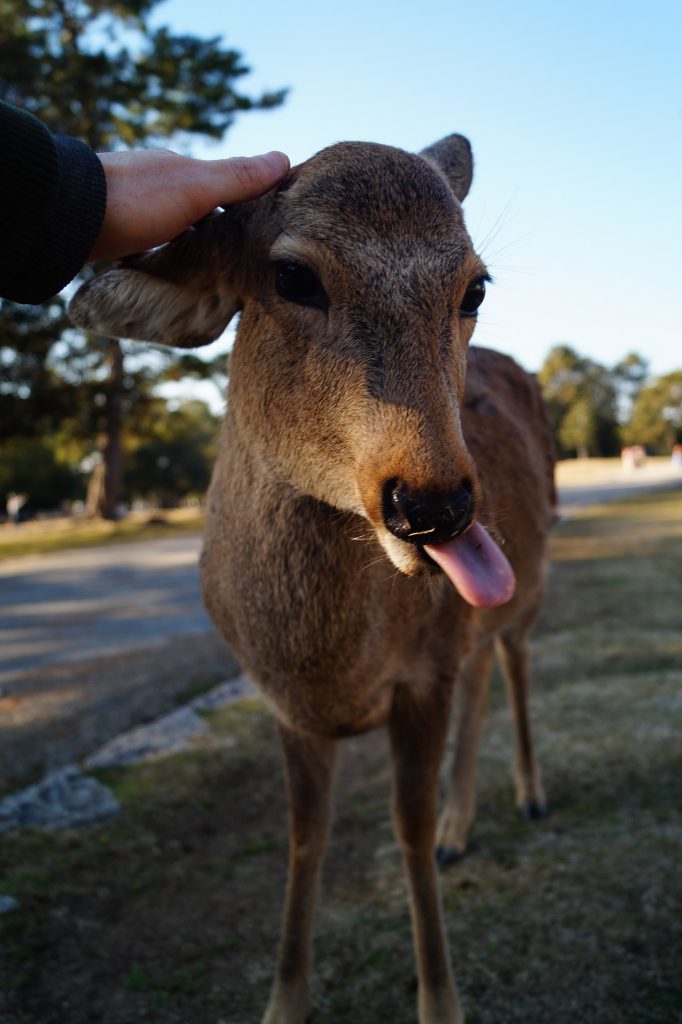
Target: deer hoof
<point>447,855</point>
<point>534,810</point>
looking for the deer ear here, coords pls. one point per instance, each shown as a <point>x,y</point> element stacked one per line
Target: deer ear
<point>453,158</point>
<point>183,294</point>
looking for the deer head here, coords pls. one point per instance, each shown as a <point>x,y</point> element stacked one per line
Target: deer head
<point>358,289</point>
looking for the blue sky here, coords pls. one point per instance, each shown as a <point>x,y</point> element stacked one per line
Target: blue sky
<point>574,111</point>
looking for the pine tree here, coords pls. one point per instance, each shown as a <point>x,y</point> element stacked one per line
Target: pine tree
<point>97,70</point>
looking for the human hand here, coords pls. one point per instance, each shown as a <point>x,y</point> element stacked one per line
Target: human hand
<point>153,195</point>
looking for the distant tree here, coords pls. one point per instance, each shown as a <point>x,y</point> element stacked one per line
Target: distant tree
<point>582,400</point>
<point>97,70</point>
<point>629,376</point>
<point>33,467</point>
<point>173,458</point>
<point>31,401</point>
<point>656,419</point>
<point>578,430</point>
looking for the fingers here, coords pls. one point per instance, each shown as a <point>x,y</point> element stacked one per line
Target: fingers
<point>154,195</point>
<point>242,178</point>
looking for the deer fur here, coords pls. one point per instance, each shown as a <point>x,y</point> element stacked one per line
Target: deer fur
<point>357,421</point>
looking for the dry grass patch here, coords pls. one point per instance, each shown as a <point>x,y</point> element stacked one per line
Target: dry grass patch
<point>171,914</point>
<point>646,527</point>
<point>41,536</point>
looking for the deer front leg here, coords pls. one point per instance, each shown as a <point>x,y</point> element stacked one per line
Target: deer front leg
<point>418,729</point>
<point>309,768</point>
<point>459,807</point>
<point>514,658</point>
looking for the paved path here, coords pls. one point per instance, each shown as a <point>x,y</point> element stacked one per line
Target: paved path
<point>95,641</point>
<point>618,483</point>
<point>68,607</point>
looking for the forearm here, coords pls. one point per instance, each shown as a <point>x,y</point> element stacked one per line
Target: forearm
<point>61,204</point>
<point>52,207</point>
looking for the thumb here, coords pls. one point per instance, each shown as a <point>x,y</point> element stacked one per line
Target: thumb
<point>242,178</point>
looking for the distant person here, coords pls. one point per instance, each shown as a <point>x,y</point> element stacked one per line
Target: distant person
<point>15,503</point>
<point>62,204</point>
<point>627,458</point>
<point>676,455</point>
<point>633,457</point>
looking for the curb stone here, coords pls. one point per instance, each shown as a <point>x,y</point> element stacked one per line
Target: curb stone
<point>167,735</point>
<point>64,798</point>
<point>68,798</point>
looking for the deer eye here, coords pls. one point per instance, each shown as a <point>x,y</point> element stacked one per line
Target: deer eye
<point>297,283</point>
<point>473,297</point>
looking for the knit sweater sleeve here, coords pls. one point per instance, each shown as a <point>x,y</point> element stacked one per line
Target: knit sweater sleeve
<point>52,203</point>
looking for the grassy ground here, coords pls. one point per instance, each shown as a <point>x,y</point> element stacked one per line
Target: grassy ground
<point>170,914</point>
<point>39,536</point>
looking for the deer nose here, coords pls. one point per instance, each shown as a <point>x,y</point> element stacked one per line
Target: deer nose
<point>423,518</point>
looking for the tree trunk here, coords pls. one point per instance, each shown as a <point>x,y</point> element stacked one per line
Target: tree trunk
<point>112,451</point>
<point>93,500</point>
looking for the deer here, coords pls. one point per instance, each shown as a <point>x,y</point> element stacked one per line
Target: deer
<point>377,519</point>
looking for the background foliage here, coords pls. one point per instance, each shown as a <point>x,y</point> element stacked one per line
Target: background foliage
<point>595,409</point>
<point>96,70</point>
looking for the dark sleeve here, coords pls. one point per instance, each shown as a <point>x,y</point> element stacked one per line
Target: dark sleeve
<point>52,202</point>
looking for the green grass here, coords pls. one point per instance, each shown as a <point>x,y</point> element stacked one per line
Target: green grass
<point>170,914</point>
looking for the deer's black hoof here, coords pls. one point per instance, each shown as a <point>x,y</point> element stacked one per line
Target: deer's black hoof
<point>447,855</point>
<point>534,810</point>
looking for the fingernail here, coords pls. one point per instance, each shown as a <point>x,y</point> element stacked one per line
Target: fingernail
<point>279,162</point>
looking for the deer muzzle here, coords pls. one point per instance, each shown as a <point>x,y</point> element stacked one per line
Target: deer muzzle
<point>423,518</point>
<point>442,528</point>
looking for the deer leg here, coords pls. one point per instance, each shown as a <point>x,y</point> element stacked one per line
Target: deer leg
<point>309,769</point>
<point>514,656</point>
<point>459,808</point>
<point>418,729</point>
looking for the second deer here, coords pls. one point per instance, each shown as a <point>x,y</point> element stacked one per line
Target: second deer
<point>371,473</point>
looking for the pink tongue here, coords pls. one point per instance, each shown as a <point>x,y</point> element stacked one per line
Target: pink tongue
<point>476,566</point>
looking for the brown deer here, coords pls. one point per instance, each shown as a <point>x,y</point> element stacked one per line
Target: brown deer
<point>358,480</point>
